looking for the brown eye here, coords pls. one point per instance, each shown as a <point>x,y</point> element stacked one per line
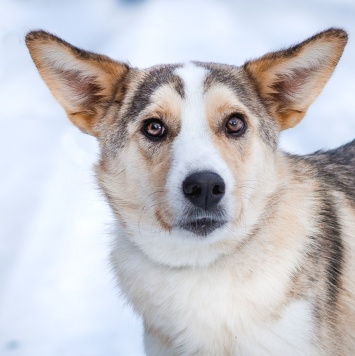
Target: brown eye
<point>235,125</point>
<point>154,129</point>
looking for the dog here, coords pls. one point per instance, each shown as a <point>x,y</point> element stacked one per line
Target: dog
<point>225,245</point>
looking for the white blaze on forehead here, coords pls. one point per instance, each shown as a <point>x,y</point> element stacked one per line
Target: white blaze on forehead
<point>193,118</point>
<point>194,149</point>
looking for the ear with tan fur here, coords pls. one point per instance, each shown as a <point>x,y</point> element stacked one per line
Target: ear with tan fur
<point>84,83</point>
<point>288,81</point>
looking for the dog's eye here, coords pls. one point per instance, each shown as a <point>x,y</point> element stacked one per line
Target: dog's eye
<point>154,129</point>
<point>235,125</point>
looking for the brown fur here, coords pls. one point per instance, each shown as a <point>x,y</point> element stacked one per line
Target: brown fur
<point>297,214</point>
<point>100,81</point>
<point>278,85</point>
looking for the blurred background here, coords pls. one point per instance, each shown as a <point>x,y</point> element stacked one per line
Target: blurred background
<point>57,292</point>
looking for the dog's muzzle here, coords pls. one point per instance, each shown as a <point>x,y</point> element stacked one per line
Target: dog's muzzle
<point>204,190</point>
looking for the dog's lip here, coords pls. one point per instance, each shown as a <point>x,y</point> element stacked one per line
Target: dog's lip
<point>202,226</point>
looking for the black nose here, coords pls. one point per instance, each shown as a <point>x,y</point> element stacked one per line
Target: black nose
<point>204,189</point>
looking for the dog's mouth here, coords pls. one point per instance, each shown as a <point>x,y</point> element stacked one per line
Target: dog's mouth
<point>202,226</point>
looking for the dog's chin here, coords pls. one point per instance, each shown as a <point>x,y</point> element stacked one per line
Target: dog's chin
<point>202,226</point>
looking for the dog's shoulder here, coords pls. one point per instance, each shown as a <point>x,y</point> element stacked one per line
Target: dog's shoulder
<point>335,168</point>
<point>343,157</point>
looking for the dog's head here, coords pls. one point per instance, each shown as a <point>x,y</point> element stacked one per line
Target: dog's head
<point>189,156</point>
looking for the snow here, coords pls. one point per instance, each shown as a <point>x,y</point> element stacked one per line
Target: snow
<point>57,292</point>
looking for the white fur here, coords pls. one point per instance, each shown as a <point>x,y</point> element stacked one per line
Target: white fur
<point>210,309</point>
<point>57,60</point>
<point>217,295</point>
<point>200,293</point>
<point>193,149</point>
<point>204,294</point>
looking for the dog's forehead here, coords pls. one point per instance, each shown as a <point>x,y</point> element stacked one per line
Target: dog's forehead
<point>179,78</point>
<point>178,75</point>
<point>150,80</point>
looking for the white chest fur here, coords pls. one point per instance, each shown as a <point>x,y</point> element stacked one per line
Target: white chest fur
<point>211,311</point>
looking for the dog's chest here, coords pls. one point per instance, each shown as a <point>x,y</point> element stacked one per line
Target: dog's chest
<point>210,312</point>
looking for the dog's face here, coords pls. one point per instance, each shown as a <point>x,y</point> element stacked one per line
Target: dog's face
<point>188,157</point>
<point>189,151</point>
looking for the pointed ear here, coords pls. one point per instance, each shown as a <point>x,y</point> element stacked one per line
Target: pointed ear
<point>288,81</point>
<point>83,83</point>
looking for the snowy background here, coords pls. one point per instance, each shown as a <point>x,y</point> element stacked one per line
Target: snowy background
<point>57,293</point>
